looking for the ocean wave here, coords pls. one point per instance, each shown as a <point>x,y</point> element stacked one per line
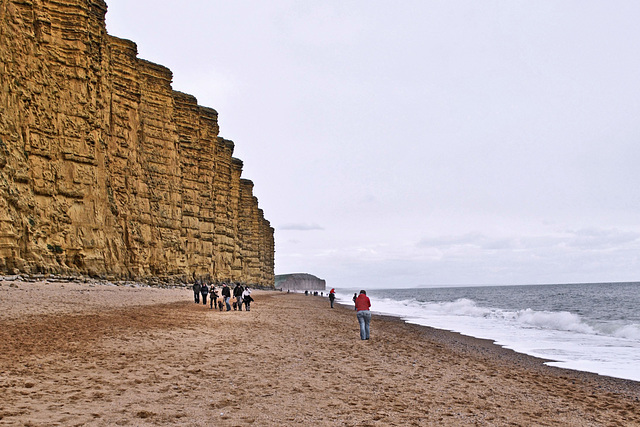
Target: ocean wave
<point>413,307</point>
<point>462,307</point>
<point>526,319</point>
<point>559,321</point>
<point>631,332</point>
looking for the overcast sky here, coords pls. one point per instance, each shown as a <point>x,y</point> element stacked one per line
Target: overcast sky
<point>422,143</point>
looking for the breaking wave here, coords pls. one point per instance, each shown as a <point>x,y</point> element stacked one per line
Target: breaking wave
<point>527,318</point>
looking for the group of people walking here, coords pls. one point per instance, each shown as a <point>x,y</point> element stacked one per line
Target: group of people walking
<point>241,295</point>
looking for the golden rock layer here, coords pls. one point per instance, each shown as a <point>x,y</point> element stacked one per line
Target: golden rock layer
<point>105,170</point>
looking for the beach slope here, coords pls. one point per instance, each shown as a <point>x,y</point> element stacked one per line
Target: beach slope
<point>93,354</point>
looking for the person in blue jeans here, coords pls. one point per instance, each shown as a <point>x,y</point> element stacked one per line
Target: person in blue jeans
<point>226,295</point>
<point>363,304</point>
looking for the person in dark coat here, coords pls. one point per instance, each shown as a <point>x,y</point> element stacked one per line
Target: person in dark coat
<point>226,295</point>
<point>213,297</point>
<point>332,296</point>
<point>196,291</point>
<point>237,293</point>
<point>204,291</point>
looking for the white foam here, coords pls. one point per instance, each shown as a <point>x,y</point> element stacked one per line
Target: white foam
<point>631,332</point>
<point>560,321</point>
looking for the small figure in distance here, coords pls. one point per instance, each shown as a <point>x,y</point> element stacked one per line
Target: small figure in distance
<point>355,295</point>
<point>332,296</point>
<point>363,314</point>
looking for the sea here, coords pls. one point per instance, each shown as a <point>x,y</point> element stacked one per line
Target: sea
<point>592,327</point>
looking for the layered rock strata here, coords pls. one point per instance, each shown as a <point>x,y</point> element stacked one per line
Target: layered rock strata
<point>105,170</point>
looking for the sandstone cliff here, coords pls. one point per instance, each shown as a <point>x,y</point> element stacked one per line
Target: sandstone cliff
<point>105,170</point>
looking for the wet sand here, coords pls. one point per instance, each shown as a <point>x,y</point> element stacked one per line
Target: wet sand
<point>93,354</point>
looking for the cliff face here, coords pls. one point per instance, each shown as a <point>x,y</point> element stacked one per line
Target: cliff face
<point>105,169</point>
<point>300,282</point>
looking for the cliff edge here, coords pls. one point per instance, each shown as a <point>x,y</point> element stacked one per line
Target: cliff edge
<point>105,170</point>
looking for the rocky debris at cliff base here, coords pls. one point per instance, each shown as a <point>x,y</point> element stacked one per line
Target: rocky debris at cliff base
<point>54,279</point>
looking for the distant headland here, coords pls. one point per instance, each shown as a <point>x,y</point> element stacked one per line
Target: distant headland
<point>300,282</point>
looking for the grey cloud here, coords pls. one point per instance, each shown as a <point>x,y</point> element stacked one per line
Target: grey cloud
<point>470,239</point>
<point>588,238</point>
<point>598,238</point>
<point>300,227</point>
<point>447,241</point>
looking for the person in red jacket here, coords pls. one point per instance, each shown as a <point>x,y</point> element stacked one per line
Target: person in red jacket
<point>364,314</point>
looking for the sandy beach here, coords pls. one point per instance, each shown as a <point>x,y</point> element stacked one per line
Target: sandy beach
<point>103,355</point>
